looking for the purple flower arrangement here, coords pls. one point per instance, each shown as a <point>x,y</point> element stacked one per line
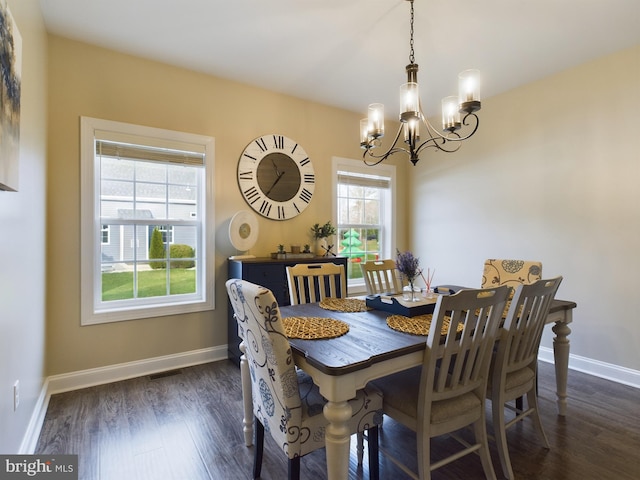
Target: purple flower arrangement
<point>408,265</point>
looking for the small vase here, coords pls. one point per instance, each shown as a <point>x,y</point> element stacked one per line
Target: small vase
<point>321,247</point>
<point>411,293</point>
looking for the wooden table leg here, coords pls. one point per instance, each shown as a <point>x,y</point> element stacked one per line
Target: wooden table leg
<point>337,439</point>
<point>245,378</point>
<point>561,361</point>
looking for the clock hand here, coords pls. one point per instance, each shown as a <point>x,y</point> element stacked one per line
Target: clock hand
<point>276,167</point>
<point>280,175</point>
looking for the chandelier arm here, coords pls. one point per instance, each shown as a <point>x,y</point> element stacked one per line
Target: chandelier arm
<point>447,137</point>
<point>438,143</point>
<point>393,149</point>
<point>384,156</point>
<point>436,139</point>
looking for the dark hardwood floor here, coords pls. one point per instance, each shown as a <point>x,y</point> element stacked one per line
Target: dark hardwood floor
<point>187,426</point>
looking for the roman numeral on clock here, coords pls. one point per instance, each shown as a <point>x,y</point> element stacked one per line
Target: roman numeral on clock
<point>309,178</point>
<point>265,208</point>
<point>305,195</point>
<point>304,161</point>
<point>261,144</point>
<point>281,214</point>
<point>248,175</point>
<point>252,195</point>
<point>278,141</point>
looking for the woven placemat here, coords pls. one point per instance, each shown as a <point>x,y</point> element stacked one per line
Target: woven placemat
<point>344,304</point>
<point>313,328</point>
<point>418,325</point>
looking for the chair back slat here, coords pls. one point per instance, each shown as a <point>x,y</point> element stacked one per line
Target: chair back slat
<point>522,331</point>
<point>313,282</point>
<point>460,362</point>
<point>380,276</point>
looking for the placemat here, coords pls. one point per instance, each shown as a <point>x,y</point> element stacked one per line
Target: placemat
<point>312,328</point>
<point>344,304</point>
<point>418,325</point>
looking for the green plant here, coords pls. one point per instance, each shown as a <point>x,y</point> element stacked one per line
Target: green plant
<point>179,250</point>
<point>157,250</point>
<point>281,249</point>
<point>323,231</point>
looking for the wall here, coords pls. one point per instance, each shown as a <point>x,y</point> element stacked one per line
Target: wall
<point>22,241</point>
<point>89,81</point>
<point>552,175</point>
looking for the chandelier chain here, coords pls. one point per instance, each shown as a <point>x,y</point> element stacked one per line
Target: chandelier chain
<point>412,58</point>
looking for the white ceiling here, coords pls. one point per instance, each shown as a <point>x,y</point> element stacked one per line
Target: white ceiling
<point>349,53</point>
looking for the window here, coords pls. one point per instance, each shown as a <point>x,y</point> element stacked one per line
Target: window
<point>166,232</point>
<point>146,206</point>
<point>364,204</point>
<point>105,231</point>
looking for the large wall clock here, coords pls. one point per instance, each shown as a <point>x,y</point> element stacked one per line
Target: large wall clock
<point>276,177</point>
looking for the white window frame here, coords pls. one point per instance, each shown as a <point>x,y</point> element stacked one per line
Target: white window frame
<point>93,310</point>
<point>357,287</point>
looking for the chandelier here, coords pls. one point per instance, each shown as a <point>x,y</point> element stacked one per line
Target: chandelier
<point>466,102</point>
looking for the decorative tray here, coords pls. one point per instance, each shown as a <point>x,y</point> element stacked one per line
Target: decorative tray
<point>396,304</point>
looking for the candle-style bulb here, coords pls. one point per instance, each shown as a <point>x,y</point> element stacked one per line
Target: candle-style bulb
<point>376,120</point>
<point>469,90</point>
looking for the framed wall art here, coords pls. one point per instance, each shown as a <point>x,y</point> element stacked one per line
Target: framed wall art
<point>10,86</point>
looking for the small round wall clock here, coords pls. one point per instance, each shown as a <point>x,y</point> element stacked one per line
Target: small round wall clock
<point>276,177</point>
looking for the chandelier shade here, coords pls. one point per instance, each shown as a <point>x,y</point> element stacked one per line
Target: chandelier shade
<point>467,102</point>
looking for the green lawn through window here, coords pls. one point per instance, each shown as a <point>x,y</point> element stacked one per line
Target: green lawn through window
<point>153,283</point>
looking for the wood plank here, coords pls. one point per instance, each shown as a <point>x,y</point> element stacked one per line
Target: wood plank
<point>191,423</point>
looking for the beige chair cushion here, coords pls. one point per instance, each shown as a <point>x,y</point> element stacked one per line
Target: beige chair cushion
<point>516,383</point>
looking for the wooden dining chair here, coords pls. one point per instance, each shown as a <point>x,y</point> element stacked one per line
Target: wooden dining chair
<point>514,365</point>
<point>447,393</point>
<point>381,276</point>
<point>286,402</point>
<point>512,273</point>
<point>313,282</point>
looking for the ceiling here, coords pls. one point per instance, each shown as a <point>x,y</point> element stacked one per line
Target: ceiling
<point>349,53</point>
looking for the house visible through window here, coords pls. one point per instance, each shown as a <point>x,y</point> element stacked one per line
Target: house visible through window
<point>146,208</point>
<point>104,232</point>
<point>364,202</point>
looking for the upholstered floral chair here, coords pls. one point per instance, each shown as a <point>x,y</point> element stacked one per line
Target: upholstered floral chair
<point>286,403</point>
<point>511,273</point>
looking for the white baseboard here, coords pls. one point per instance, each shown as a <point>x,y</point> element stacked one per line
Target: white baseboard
<point>608,371</point>
<point>112,373</point>
<point>30,439</point>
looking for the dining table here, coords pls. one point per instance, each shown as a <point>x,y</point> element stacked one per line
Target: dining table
<point>370,349</point>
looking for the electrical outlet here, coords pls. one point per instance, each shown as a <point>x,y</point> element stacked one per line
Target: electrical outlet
<point>16,395</point>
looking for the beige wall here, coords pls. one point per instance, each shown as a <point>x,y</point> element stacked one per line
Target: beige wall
<point>89,81</point>
<point>22,241</point>
<point>552,175</point>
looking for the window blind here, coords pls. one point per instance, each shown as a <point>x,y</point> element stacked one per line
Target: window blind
<point>361,180</point>
<point>155,149</point>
